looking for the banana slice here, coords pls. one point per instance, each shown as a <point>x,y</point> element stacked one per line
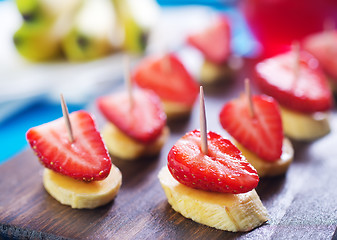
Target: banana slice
<point>79,194</point>
<point>122,146</point>
<point>306,127</point>
<point>224,211</point>
<point>333,84</point>
<point>211,73</point>
<point>265,168</point>
<point>175,110</point>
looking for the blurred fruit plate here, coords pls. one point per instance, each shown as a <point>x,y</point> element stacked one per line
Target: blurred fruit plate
<point>23,83</point>
<point>80,82</point>
<point>301,204</point>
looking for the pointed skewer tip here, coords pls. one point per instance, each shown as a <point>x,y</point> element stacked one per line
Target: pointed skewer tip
<point>297,50</point>
<point>203,124</point>
<point>166,64</point>
<point>249,97</point>
<point>67,119</point>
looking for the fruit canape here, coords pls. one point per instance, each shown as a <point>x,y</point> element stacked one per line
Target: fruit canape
<point>136,121</point>
<point>323,46</point>
<point>295,80</point>
<point>256,125</point>
<point>214,43</point>
<point>134,130</point>
<point>208,180</point>
<point>169,79</point>
<point>78,169</point>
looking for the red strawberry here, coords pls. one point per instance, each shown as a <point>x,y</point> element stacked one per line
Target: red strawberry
<point>324,47</point>
<point>143,122</point>
<point>85,159</point>
<point>223,169</point>
<point>167,77</point>
<point>308,92</point>
<point>261,133</point>
<point>213,42</point>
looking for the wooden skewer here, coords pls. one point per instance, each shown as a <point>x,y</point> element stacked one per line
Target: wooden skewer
<point>203,124</point>
<point>297,50</point>
<point>249,97</point>
<point>127,79</point>
<point>67,119</point>
<point>166,64</point>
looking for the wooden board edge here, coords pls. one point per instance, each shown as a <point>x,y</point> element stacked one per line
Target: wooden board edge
<point>13,232</point>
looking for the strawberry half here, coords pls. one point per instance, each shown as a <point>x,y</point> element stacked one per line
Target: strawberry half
<point>308,92</point>
<point>324,47</point>
<point>223,169</point>
<point>84,159</point>
<point>261,133</point>
<point>143,122</point>
<point>214,41</point>
<point>167,77</point>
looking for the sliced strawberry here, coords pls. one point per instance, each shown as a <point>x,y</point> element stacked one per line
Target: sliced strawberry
<point>214,41</point>
<point>143,122</point>
<point>223,169</point>
<point>324,47</point>
<point>85,159</point>
<point>168,77</point>
<point>261,133</point>
<point>308,92</point>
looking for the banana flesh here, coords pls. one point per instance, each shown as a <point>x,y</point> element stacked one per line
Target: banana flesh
<point>304,127</point>
<point>176,110</point>
<point>269,169</point>
<point>80,194</point>
<point>122,146</point>
<point>224,211</point>
<point>333,84</point>
<point>211,73</point>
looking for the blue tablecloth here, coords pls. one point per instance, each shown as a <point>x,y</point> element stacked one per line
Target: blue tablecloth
<point>12,131</point>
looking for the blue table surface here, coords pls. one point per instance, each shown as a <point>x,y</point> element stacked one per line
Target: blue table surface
<point>13,130</point>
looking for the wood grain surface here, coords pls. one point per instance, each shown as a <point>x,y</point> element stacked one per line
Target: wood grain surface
<point>302,204</point>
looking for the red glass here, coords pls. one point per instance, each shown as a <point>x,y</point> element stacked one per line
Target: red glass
<point>277,23</point>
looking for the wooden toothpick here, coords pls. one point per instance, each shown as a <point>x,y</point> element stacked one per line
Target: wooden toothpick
<point>166,64</point>
<point>203,124</point>
<point>297,50</point>
<point>249,97</point>
<point>67,119</point>
<point>127,79</point>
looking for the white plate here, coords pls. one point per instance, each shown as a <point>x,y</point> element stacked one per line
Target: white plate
<point>22,83</point>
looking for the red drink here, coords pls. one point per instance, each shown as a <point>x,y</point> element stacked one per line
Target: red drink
<point>276,23</point>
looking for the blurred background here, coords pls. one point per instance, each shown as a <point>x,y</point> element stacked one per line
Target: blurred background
<point>75,47</point>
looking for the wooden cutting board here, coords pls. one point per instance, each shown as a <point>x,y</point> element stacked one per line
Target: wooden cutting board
<point>302,204</point>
